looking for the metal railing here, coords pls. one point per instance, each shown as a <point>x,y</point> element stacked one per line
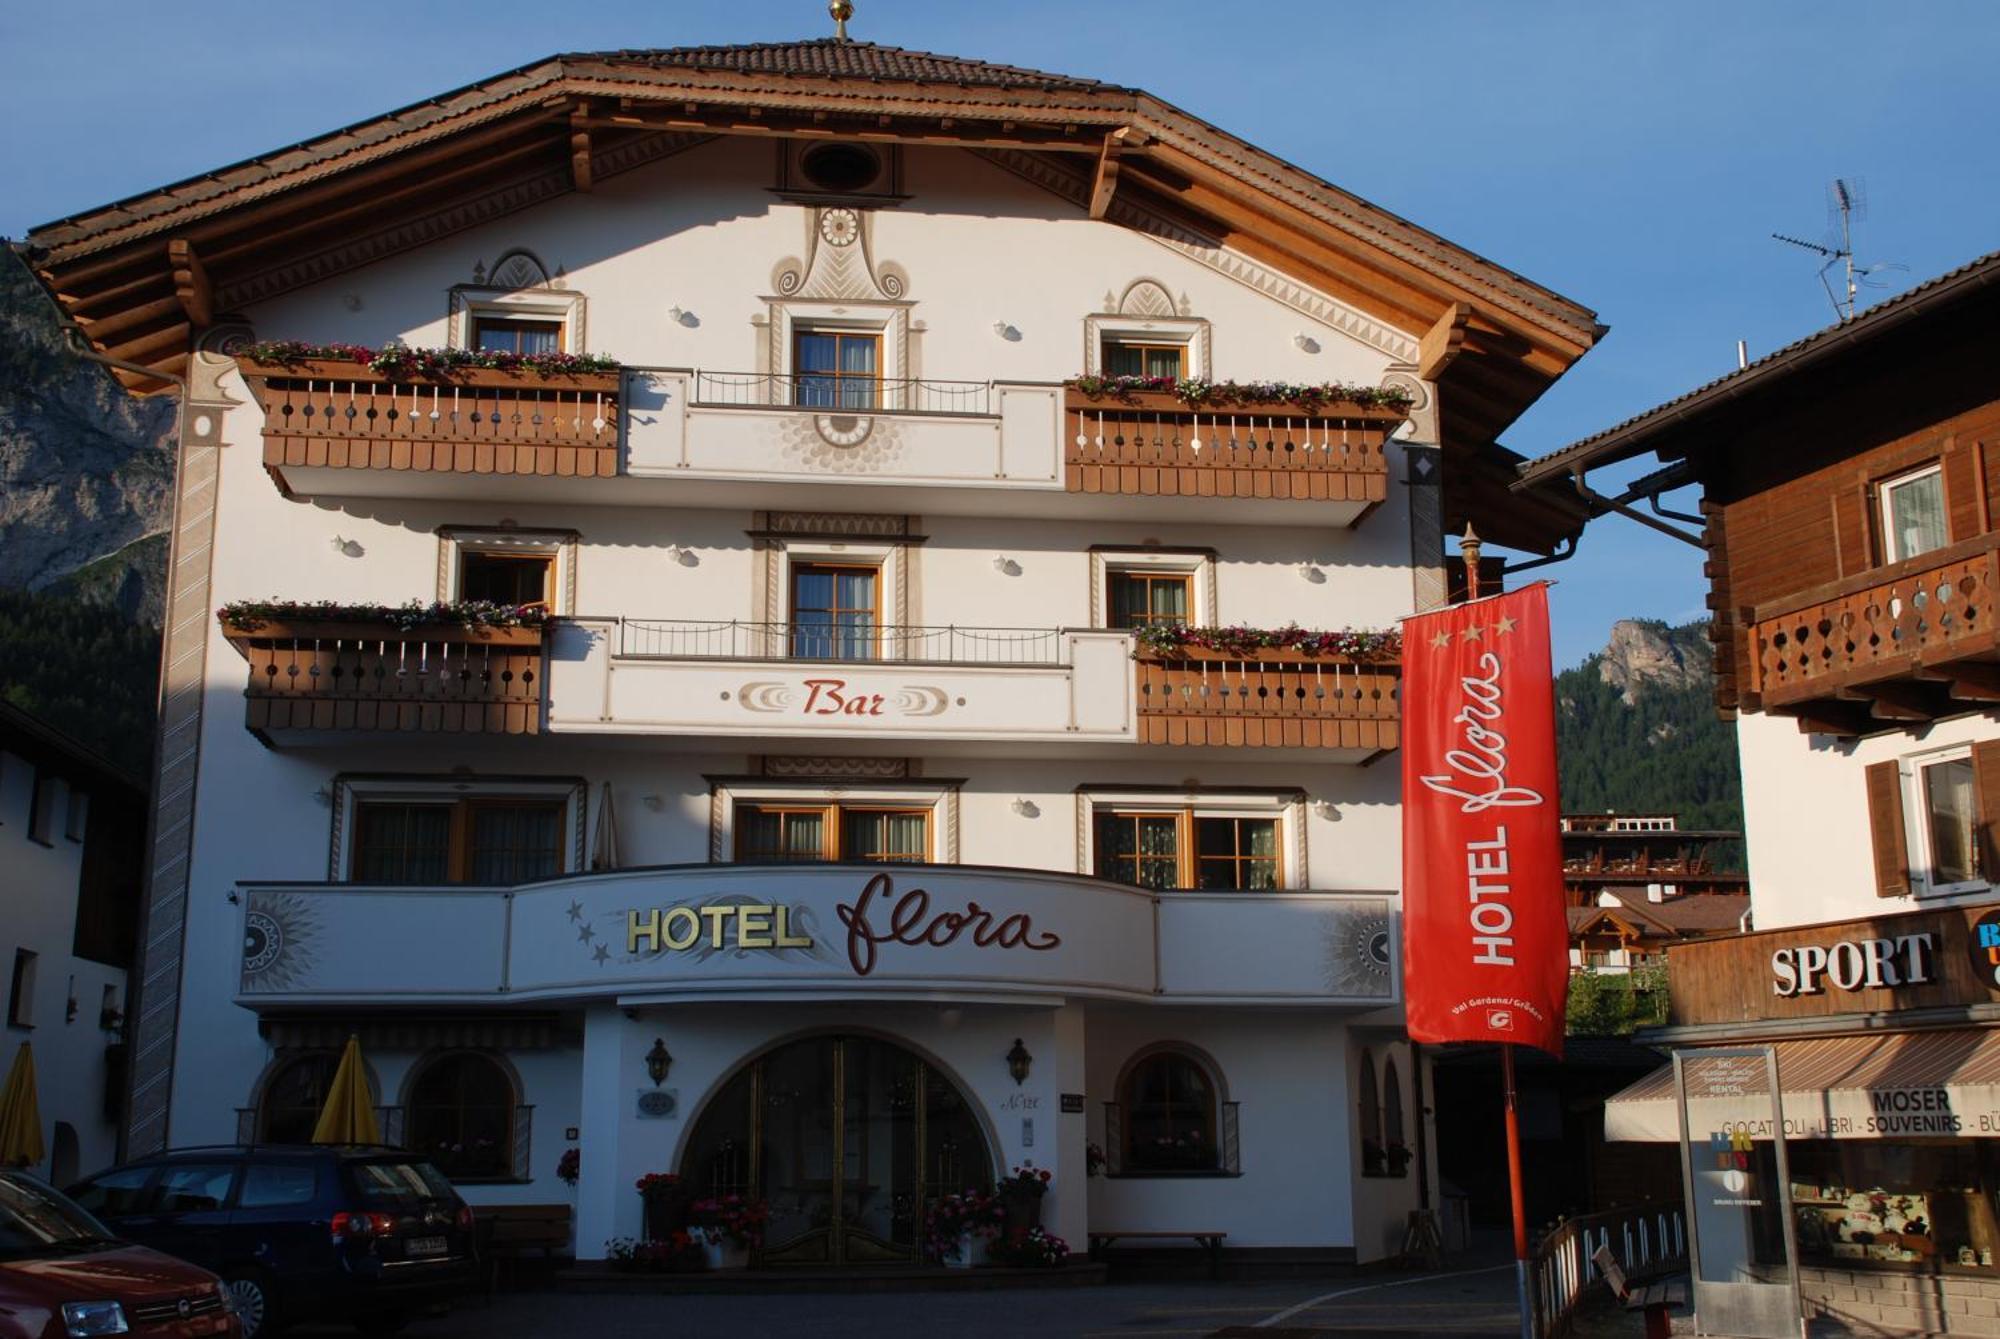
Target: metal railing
<point>1647,1240</point>
<point>844,394</point>
<point>687,639</point>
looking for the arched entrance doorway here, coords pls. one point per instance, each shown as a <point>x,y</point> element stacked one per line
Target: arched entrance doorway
<point>848,1139</point>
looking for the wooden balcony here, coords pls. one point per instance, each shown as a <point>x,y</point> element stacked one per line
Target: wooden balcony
<point>342,416</point>
<point>1152,444</point>
<point>1896,646</point>
<point>319,677</point>
<point>1279,699</point>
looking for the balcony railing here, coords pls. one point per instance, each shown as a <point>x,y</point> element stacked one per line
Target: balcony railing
<point>1153,443</point>
<point>1884,645</point>
<point>1277,699</point>
<point>352,676</point>
<point>344,416</point>
<point>709,640</point>
<point>843,394</point>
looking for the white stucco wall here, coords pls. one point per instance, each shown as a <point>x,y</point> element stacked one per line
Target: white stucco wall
<point>38,909</point>
<point>1805,816</point>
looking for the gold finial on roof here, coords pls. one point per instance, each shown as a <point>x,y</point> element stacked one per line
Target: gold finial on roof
<point>842,11</point>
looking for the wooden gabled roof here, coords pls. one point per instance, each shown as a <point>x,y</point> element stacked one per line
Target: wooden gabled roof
<point>143,276</point>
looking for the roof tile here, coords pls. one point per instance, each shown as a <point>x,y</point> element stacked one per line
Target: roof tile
<point>836,59</point>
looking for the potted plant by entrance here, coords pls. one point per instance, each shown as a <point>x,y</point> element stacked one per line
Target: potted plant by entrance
<point>959,1228</point>
<point>666,1199</point>
<point>1021,1197</point>
<point>728,1227</point>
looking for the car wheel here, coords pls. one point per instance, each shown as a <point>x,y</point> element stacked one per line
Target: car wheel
<point>382,1322</point>
<point>254,1310</point>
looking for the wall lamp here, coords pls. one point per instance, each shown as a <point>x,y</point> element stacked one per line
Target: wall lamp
<point>1006,566</point>
<point>658,1062</point>
<point>1018,1061</point>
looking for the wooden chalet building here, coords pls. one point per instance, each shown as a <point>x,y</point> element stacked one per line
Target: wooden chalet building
<point>1650,852</point>
<point>837,571</point>
<point>1851,484</point>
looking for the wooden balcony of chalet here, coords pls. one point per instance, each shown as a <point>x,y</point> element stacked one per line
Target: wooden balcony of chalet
<point>1154,444</point>
<point>1275,698</point>
<point>343,416</point>
<point>1896,645</point>
<point>315,677</point>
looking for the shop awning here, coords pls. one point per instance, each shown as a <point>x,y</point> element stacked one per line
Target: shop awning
<point>1914,1085</point>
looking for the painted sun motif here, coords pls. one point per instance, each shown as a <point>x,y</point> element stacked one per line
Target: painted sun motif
<point>1360,950</point>
<point>278,933</point>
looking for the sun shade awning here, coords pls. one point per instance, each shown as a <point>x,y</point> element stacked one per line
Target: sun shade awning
<point>1943,1084</point>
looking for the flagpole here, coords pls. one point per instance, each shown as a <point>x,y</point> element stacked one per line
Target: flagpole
<point>1515,1194</point>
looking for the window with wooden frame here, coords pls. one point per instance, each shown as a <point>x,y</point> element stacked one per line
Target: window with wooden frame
<point>781,833</point>
<point>1932,821</point>
<point>1137,599</point>
<point>44,801</point>
<point>524,578</point>
<point>498,840</point>
<point>835,610</point>
<point>1183,848</point>
<point>1136,358</point>
<point>836,369</point>
<point>460,1110</point>
<point>1912,513</point>
<point>512,334</point>
<point>1169,1106</point>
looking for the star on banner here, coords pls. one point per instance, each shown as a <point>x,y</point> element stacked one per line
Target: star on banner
<point>584,934</point>
<point>576,911</point>
<point>1503,625</point>
<point>1442,640</point>
<point>602,955</point>
<point>1472,633</point>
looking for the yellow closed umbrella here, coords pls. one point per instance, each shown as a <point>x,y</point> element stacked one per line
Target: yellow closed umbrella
<point>349,1115</point>
<point>20,1113</point>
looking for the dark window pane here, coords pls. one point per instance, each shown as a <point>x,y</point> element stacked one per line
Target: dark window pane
<point>461,1116</point>
<point>512,843</point>
<point>403,843</point>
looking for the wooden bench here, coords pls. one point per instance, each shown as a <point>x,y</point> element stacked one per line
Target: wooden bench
<point>507,1233</point>
<point>1210,1242</point>
<point>1654,1299</point>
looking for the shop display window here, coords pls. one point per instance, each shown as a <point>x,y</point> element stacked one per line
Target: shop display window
<point>1924,1203</point>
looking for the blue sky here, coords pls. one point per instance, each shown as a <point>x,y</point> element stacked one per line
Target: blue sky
<point>1634,158</point>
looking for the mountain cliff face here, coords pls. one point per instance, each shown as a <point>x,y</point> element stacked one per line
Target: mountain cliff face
<point>1636,731</point>
<point>86,471</point>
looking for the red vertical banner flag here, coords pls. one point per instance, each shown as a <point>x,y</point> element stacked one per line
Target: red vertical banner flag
<point>1485,933</point>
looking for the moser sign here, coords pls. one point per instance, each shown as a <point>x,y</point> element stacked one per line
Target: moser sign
<point>1915,960</point>
<point>1486,948</point>
<point>827,931</point>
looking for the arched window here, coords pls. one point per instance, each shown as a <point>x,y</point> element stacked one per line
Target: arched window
<point>294,1097</point>
<point>1395,1145</point>
<point>1169,1101</point>
<point>1368,1102</point>
<point>460,1115</point>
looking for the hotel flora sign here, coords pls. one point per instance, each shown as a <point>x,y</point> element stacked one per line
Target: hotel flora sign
<point>1917,960</point>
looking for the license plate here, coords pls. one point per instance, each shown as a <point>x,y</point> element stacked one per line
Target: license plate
<point>425,1246</point>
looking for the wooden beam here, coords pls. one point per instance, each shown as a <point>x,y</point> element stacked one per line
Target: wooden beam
<point>191,284</point>
<point>100,329</point>
<point>1895,699</point>
<point>1974,682</point>
<point>957,134</point>
<point>579,150</point>
<point>1442,341</point>
<point>1105,185</point>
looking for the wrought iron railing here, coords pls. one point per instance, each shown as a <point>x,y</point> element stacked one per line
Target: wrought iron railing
<point>1225,1155</point>
<point>1646,1240</point>
<point>843,394</point>
<point>688,639</point>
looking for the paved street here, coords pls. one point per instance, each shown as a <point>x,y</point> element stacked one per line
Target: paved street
<point>1453,1304</point>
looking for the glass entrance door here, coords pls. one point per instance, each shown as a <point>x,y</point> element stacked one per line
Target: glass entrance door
<point>849,1140</point>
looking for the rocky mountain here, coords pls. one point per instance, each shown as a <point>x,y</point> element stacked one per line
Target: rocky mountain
<point>1636,731</point>
<point>86,471</point>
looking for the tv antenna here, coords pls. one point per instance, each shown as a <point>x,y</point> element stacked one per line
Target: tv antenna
<point>1846,205</point>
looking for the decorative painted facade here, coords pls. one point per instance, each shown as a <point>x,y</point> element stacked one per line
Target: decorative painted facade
<point>841,835</point>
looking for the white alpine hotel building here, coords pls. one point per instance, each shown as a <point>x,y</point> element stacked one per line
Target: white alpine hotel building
<point>844,584</point>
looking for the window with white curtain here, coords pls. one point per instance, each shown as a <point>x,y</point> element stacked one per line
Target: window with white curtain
<point>1913,518</point>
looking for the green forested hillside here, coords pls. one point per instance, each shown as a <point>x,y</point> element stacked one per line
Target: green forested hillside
<point>1663,751</point>
<point>84,669</point>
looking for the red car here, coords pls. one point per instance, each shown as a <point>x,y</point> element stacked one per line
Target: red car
<point>62,1276</point>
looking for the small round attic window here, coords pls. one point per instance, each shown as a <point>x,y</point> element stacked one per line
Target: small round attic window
<point>839,167</point>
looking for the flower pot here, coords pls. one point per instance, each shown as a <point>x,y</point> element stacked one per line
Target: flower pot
<point>666,1214</point>
<point>1024,1209</point>
<point>718,1250</point>
<point>970,1252</point>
